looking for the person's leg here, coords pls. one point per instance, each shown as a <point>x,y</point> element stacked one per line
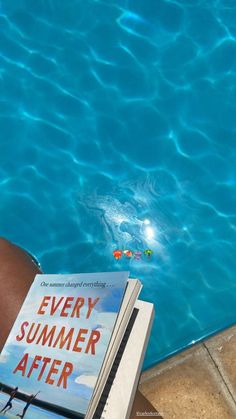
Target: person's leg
<point>4,408</point>
<point>9,408</point>
<point>24,411</point>
<point>17,271</point>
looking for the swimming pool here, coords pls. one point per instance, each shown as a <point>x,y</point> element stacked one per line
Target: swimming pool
<point>117,123</point>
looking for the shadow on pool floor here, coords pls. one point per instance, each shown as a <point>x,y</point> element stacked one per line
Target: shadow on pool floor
<point>199,383</point>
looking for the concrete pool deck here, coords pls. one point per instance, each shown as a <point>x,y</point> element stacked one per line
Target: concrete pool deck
<point>197,383</point>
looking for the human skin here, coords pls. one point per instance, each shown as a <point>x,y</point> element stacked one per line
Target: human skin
<point>17,271</point>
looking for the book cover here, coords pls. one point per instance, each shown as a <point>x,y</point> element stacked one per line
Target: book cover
<point>52,358</point>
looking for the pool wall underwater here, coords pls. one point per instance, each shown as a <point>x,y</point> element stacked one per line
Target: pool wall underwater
<point>117,123</point>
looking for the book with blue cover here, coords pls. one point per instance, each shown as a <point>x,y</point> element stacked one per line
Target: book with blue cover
<point>61,348</point>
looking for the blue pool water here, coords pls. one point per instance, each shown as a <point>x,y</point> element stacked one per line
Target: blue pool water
<point>113,115</point>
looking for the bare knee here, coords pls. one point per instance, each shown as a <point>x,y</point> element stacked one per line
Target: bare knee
<point>4,243</point>
<point>10,254</point>
<point>17,272</point>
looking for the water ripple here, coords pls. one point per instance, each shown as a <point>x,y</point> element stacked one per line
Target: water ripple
<point>118,113</point>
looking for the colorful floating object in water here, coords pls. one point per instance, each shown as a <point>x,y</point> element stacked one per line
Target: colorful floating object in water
<point>117,254</point>
<point>128,253</point>
<point>148,253</point>
<point>137,255</point>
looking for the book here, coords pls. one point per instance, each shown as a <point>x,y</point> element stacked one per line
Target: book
<point>60,352</point>
<point>118,396</point>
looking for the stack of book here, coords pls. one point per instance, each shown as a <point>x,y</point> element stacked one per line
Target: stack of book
<point>76,348</point>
